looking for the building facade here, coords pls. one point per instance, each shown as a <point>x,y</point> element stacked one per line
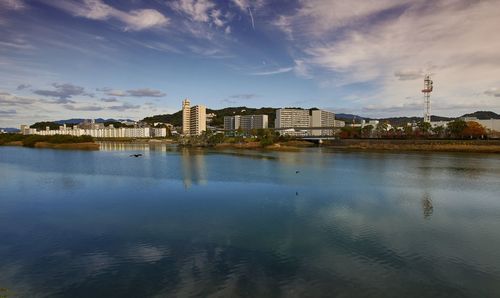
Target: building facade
<point>288,119</point>
<point>194,119</point>
<point>322,118</point>
<point>246,122</point>
<point>97,130</point>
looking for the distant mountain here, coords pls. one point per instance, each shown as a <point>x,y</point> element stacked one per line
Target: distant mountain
<point>54,125</point>
<point>80,120</point>
<point>481,115</point>
<point>176,118</point>
<point>10,129</point>
<point>348,118</point>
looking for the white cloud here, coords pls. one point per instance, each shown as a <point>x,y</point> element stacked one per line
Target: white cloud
<point>134,20</point>
<point>12,4</point>
<point>273,72</point>
<point>245,4</point>
<point>197,10</point>
<point>391,52</point>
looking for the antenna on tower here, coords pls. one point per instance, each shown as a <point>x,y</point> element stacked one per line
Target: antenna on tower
<point>427,97</point>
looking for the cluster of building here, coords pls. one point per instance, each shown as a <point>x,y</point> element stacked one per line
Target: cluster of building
<point>98,130</point>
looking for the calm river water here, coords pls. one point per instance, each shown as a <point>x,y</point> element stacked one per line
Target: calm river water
<point>182,223</point>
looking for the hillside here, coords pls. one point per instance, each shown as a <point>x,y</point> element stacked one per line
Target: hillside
<point>176,118</point>
<point>483,115</point>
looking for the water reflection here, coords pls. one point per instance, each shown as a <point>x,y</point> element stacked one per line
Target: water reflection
<point>193,167</point>
<point>116,146</point>
<point>247,226</point>
<point>427,206</point>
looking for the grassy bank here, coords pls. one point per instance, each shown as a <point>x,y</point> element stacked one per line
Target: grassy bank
<point>281,146</point>
<point>56,142</point>
<point>473,146</point>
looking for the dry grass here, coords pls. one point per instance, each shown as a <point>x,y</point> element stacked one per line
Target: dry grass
<point>79,146</point>
<point>437,147</point>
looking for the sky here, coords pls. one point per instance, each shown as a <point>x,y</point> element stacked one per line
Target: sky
<point>128,59</point>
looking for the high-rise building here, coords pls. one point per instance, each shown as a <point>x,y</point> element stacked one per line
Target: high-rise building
<point>186,117</point>
<point>288,118</point>
<point>194,119</point>
<point>198,120</point>
<point>321,118</point>
<point>245,122</point>
<point>232,122</point>
<point>301,118</point>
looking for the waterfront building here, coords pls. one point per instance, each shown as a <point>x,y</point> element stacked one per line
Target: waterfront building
<point>301,118</point>
<point>322,118</point>
<point>186,116</point>
<point>288,118</point>
<point>232,122</point>
<point>246,122</point>
<point>194,119</point>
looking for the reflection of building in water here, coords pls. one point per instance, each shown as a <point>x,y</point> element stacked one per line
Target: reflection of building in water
<point>116,146</point>
<point>193,167</point>
<point>427,206</point>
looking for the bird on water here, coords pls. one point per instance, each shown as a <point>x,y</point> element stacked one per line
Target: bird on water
<point>135,155</point>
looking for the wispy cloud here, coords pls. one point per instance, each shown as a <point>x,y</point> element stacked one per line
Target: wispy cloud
<point>145,92</point>
<point>23,86</point>
<point>273,72</point>
<point>63,91</point>
<point>134,20</point>
<point>493,92</point>
<point>142,92</point>
<point>243,96</point>
<point>109,99</point>
<point>8,112</point>
<point>83,108</point>
<point>12,4</point>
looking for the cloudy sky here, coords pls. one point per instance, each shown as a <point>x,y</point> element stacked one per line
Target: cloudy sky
<point>130,58</point>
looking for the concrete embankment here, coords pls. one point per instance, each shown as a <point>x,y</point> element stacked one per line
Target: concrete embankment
<point>475,146</point>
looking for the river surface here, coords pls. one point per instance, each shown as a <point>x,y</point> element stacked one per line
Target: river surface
<point>201,223</point>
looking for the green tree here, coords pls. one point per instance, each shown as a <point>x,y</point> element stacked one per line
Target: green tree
<point>456,128</point>
<point>425,127</point>
<point>366,131</point>
<point>438,131</point>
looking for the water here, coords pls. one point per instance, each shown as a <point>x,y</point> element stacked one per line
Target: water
<point>201,223</point>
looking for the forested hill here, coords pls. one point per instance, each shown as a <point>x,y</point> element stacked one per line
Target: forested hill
<point>483,115</point>
<point>176,118</point>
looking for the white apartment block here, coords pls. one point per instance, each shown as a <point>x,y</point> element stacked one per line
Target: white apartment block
<point>288,118</point>
<point>246,122</point>
<point>194,119</point>
<point>300,118</point>
<point>321,118</point>
<point>106,132</point>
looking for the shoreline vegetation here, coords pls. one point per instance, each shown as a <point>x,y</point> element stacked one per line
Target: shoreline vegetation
<point>264,142</point>
<point>53,142</point>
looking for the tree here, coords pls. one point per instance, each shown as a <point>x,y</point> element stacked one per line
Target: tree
<point>381,129</point>
<point>438,130</point>
<point>474,130</point>
<point>425,127</point>
<point>366,131</point>
<point>456,128</point>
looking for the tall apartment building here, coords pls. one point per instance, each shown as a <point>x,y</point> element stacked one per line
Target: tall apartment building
<point>293,118</point>
<point>321,118</point>
<point>232,122</point>
<point>194,119</point>
<point>246,122</point>
<point>186,117</point>
<point>287,118</point>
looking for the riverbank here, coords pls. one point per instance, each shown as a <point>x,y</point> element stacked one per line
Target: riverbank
<point>53,142</point>
<point>471,146</point>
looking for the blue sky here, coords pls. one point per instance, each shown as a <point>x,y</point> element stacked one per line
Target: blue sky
<point>132,58</point>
